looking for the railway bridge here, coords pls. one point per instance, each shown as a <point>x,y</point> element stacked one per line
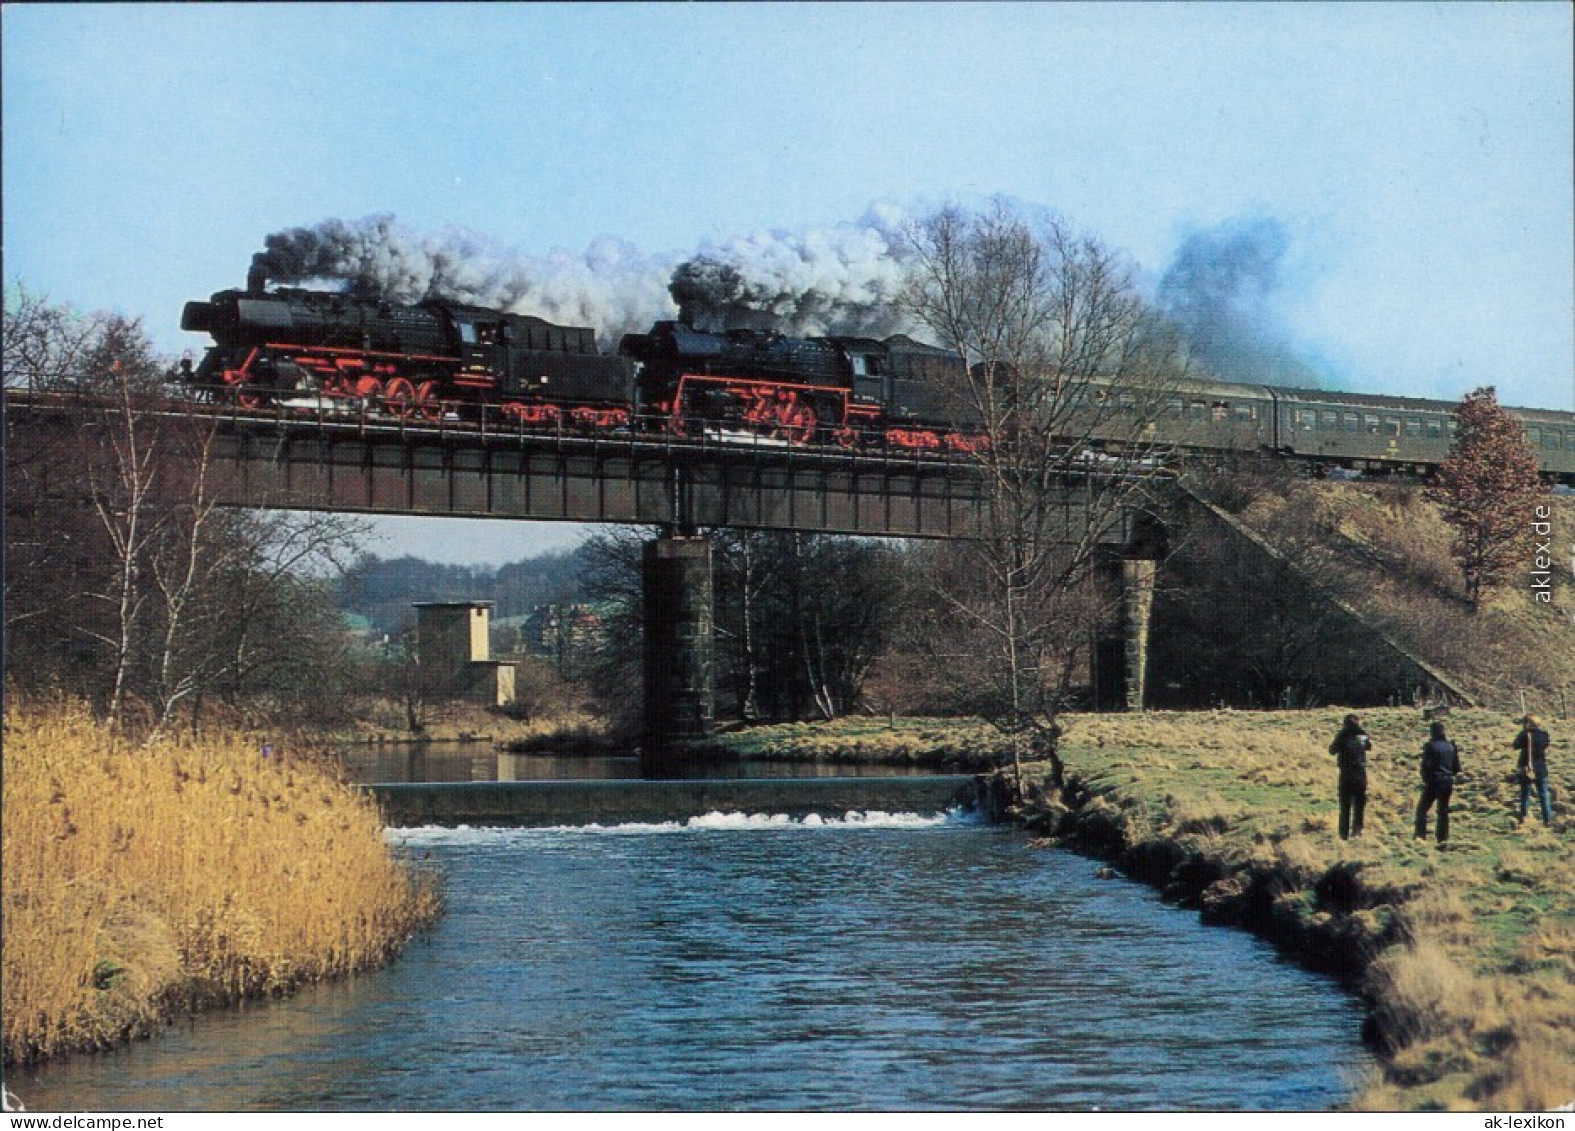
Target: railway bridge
<point>358,463</point>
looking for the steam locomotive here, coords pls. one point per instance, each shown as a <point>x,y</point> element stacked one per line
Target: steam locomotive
<point>436,361</point>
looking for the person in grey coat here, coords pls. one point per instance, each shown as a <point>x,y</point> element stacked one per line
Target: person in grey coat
<point>1440,768</point>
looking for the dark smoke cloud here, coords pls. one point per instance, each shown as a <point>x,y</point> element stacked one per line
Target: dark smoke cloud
<point>839,279</point>
<point>1222,289</point>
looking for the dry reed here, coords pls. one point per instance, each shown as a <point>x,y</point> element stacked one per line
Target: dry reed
<point>140,881</point>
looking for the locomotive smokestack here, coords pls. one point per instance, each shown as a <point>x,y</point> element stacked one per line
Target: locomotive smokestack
<point>256,277</point>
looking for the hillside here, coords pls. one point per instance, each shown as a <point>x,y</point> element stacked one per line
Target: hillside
<point>1383,549</point>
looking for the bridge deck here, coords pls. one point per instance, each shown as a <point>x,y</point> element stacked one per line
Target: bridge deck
<point>321,461</point>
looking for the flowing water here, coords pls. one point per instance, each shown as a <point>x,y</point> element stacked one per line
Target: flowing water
<point>480,761</point>
<point>875,963</point>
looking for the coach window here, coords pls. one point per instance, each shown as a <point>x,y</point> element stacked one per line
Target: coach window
<point>1550,439</point>
<point>1534,435</point>
<point>1197,410</point>
<point>1329,421</point>
<point>1370,425</point>
<point>1435,429</point>
<point>1350,422</point>
<point>1245,413</point>
<point>1175,408</point>
<point>1413,427</point>
<point>1391,426</point>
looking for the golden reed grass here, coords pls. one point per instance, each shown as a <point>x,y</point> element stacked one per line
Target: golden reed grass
<point>140,881</point>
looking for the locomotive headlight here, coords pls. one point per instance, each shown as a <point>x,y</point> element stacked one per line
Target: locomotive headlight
<point>542,380</point>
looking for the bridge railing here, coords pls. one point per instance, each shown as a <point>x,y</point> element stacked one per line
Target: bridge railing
<point>488,424</point>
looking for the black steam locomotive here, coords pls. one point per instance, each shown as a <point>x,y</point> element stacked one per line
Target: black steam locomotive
<point>441,361</point>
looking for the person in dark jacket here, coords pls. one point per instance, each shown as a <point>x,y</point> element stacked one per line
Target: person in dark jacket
<point>1350,749</point>
<point>1532,742</point>
<point>1440,768</point>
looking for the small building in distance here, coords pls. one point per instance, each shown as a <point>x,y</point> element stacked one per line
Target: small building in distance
<point>563,634</point>
<point>455,653</point>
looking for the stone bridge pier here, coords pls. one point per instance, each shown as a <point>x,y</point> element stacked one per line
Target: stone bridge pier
<point>680,650</point>
<point>1121,652</point>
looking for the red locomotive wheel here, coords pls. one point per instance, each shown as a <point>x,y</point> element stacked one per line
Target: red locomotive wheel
<point>798,424</point>
<point>399,397</point>
<point>427,402</point>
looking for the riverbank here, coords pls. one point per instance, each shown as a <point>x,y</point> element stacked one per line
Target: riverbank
<point>1466,955</point>
<point>145,882</point>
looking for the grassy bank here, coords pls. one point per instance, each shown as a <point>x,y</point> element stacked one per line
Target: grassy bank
<point>1466,955</point>
<point>144,881</point>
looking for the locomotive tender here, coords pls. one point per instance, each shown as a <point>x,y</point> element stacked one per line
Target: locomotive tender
<point>437,361</point>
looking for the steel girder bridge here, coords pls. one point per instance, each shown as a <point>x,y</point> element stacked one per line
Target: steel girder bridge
<point>334,461</point>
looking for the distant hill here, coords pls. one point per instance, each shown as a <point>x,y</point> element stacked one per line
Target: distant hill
<point>383,589</point>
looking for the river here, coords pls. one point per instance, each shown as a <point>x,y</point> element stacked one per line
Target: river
<point>480,761</point>
<point>876,963</point>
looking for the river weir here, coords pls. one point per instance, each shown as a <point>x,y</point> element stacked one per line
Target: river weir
<point>864,962</point>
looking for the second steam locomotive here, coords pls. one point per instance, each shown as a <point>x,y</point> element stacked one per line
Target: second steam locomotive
<point>440,361</point>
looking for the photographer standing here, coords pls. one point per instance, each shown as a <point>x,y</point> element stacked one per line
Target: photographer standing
<point>1440,767</point>
<point>1532,742</point>
<point>1350,748</point>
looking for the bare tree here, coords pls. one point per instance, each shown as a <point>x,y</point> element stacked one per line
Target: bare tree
<point>125,580</point>
<point>1066,370</point>
<point>613,581</point>
<point>125,490</point>
<point>47,346</point>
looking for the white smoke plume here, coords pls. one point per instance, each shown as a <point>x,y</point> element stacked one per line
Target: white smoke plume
<point>611,286</point>
<point>842,279</point>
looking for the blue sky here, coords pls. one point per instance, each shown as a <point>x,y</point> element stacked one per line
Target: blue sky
<point>1414,159</point>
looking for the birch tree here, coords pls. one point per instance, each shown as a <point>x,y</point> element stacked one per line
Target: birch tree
<point>1066,370</point>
